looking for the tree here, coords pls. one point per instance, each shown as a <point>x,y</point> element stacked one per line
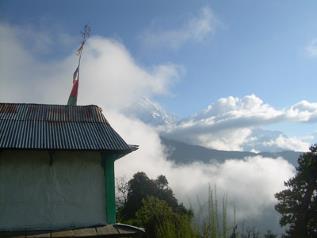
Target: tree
<point>122,191</point>
<point>269,234</point>
<point>159,220</point>
<point>140,187</point>
<point>298,203</point>
<point>150,203</point>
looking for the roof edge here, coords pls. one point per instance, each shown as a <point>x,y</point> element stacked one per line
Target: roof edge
<point>48,104</point>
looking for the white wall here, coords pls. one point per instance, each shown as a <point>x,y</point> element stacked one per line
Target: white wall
<point>37,195</point>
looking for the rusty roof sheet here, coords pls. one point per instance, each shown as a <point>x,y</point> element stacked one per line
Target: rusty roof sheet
<point>57,127</point>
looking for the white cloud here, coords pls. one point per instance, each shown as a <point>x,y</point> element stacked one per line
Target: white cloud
<point>303,111</point>
<point>118,78</point>
<point>274,141</point>
<point>232,140</point>
<point>108,72</point>
<point>250,108</point>
<point>195,29</point>
<point>232,124</point>
<point>225,124</point>
<point>285,143</point>
<point>311,48</point>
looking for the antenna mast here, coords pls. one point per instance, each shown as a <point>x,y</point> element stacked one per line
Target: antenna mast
<point>72,100</point>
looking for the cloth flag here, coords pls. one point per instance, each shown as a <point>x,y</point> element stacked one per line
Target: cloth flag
<point>72,100</point>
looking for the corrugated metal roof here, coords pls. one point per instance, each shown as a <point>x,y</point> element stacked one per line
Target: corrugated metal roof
<point>115,230</point>
<point>57,127</point>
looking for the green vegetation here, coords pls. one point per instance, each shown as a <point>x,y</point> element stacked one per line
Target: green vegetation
<point>269,234</point>
<point>151,204</point>
<point>214,224</point>
<point>159,220</point>
<point>298,203</point>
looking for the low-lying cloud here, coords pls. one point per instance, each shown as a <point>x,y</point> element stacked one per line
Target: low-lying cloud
<point>250,184</point>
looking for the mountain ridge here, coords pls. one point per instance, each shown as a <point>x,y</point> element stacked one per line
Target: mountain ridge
<point>183,153</point>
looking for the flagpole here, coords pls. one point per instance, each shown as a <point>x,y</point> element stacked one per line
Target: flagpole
<point>85,34</point>
<point>72,100</point>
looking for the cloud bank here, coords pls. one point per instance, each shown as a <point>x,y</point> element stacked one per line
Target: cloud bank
<point>233,124</point>
<point>108,72</point>
<point>250,183</point>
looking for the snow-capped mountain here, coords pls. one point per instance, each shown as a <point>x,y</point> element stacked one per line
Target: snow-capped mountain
<point>228,125</point>
<point>152,113</point>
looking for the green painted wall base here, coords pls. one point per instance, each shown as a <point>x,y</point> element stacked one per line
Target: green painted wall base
<point>110,189</point>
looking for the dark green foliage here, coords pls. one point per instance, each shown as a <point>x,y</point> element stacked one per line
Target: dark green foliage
<point>245,232</point>
<point>234,232</point>
<point>159,220</point>
<point>141,187</point>
<point>269,234</point>
<point>298,203</point>
<point>151,204</point>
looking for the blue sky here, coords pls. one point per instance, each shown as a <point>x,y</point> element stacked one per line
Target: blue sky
<point>258,46</point>
<point>219,48</point>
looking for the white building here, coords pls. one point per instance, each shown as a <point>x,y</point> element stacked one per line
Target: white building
<point>57,167</point>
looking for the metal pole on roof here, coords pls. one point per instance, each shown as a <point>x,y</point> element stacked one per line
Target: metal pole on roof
<point>72,100</point>
<point>85,34</point>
